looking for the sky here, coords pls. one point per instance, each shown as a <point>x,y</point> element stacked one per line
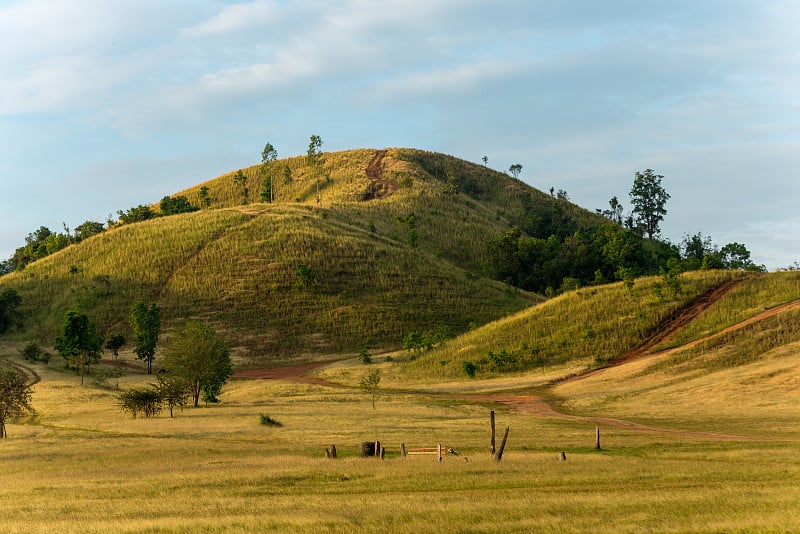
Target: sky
<point>105,105</point>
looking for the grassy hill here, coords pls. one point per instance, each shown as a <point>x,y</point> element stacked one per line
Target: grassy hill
<point>294,277</point>
<point>725,326</point>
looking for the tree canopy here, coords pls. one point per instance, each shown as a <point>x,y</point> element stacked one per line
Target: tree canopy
<point>196,354</point>
<point>177,204</point>
<point>648,198</point>
<point>15,396</point>
<point>9,302</point>
<point>146,325</point>
<point>78,342</point>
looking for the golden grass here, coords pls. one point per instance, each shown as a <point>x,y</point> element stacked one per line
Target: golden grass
<point>82,466</point>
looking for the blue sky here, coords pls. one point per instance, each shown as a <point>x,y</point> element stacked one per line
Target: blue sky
<point>106,105</point>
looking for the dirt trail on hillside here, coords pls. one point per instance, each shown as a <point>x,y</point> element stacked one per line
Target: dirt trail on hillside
<point>378,187</point>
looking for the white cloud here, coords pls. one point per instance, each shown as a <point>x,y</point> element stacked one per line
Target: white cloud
<point>237,17</point>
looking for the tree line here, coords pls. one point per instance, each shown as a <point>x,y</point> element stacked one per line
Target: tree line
<point>548,253</point>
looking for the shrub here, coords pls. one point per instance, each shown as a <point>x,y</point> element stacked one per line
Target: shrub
<point>145,401</point>
<point>469,369</point>
<point>32,352</point>
<point>365,356</point>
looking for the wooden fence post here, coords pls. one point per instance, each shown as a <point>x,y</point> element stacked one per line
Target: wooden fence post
<point>439,451</point>
<point>377,448</point>
<point>491,420</point>
<point>327,453</point>
<point>333,452</point>
<point>402,450</point>
<point>499,455</point>
<point>597,437</point>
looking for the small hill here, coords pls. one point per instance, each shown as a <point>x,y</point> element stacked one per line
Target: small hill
<point>396,244</point>
<point>594,327</point>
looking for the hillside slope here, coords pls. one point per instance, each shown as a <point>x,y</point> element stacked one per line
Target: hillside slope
<point>294,278</point>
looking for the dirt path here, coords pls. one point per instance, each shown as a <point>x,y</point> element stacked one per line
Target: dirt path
<point>294,373</point>
<point>672,324</point>
<point>378,188</point>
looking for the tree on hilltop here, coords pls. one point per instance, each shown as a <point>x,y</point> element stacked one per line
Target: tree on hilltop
<point>648,198</point>
<point>313,159</point>
<point>174,205</point>
<point>268,156</point>
<point>241,181</point>
<point>515,169</point>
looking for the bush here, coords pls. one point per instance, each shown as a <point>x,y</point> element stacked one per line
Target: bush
<point>469,369</point>
<point>365,356</point>
<point>145,401</point>
<point>503,360</point>
<point>32,352</point>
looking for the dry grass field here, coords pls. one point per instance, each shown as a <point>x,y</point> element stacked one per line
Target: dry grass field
<point>80,465</point>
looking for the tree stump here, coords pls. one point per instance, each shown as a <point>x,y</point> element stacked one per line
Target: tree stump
<point>367,449</point>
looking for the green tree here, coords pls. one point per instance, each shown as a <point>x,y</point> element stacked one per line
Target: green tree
<point>241,181</point>
<point>736,256</point>
<point>268,157</point>
<point>114,343</point>
<point>146,325</point>
<point>15,396</point>
<point>174,205</point>
<point>305,275</point>
<point>87,230</point>
<point>205,199</point>
<point>409,222</point>
<point>370,383</point>
<point>485,160</point>
<point>173,390</point>
<point>648,199</point>
<point>515,169</point>
<point>78,343</point>
<point>7,266</point>
<point>313,159</point>
<point>138,214</point>
<point>615,213</point>
<point>9,302</point>
<point>196,354</point>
